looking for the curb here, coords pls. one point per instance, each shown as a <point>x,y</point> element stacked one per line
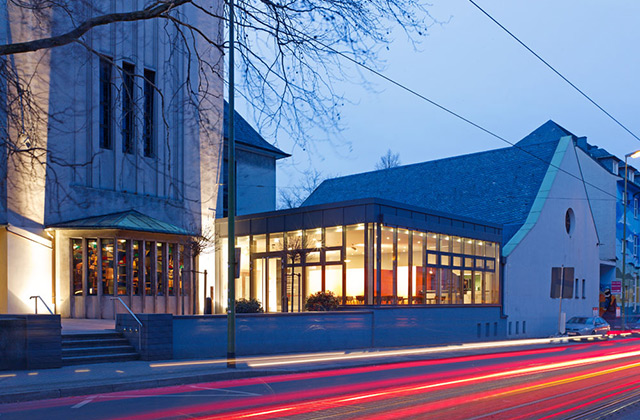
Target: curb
<point>75,391</point>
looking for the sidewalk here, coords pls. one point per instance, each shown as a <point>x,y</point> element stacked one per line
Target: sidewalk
<point>18,386</point>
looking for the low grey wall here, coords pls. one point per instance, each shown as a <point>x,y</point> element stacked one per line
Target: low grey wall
<point>30,342</point>
<point>206,336</point>
<point>156,338</point>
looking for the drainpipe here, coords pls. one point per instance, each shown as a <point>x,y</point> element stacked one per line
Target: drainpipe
<point>52,235</point>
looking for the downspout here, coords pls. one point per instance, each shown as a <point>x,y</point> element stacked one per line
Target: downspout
<point>52,235</point>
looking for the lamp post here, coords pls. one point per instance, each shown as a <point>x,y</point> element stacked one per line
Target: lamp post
<point>231,202</point>
<point>632,155</point>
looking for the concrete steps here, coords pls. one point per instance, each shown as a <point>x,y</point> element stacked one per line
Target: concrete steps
<point>87,348</point>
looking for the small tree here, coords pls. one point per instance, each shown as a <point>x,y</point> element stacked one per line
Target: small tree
<point>322,301</point>
<point>388,160</point>
<point>248,306</point>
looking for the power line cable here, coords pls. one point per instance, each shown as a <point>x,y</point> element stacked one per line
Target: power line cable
<point>447,110</point>
<point>555,71</point>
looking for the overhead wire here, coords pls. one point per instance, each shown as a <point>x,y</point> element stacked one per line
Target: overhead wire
<point>554,70</point>
<point>447,110</point>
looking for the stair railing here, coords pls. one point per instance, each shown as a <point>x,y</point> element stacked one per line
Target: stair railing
<point>43,302</point>
<point>136,319</point>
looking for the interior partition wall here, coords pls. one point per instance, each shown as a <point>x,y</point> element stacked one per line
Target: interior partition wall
<point>366,263</point>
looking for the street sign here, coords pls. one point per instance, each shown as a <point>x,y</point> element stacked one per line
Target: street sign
<point>616,286</point>
<point>617,312</point>
<point>596,311</point>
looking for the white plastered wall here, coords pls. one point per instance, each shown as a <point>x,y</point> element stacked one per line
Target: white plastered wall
<point>543,243</point>
<point>29,271</point>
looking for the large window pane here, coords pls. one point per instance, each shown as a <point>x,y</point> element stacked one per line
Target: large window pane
<point>107,266</point>
<point>170,271</point>
<point>445,243</point>
<point>477,286</point>
<point>333,236</point>
<point>480,248</point>
<point>419,287</point>
<point>183,284</point>
<point>456,241</point>
<point>276,242</point>
<point>490,249</point>
<point>467,287</point>
<point>333,280</point>
<point>313,280</point>
<point>78,267</point>
<point>135,267</point>
<point>386,292</point>
<point>313,238</point>
<point>445,283</point>
<point>160,269</point>
<point>148,267</point>
<point>275,284</point>
<point>469,246</point>
<point>122,267</point>
<point>432,241</point>
<point>354,263</point>
<point>259,243</point>
<point>92,261</point>
<point>259,279</point>
<point>491,288</point>
<point>403,267</point>
<point>431,291</point>
<point>456,286</point>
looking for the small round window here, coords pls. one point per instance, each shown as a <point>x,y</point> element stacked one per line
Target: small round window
<point>569,221</point>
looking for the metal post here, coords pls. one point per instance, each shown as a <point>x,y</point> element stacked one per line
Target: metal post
<point>624,241</point>
<point>231,189</point>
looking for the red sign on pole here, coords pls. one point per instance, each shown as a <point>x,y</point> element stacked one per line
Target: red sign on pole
<point>616,286</point>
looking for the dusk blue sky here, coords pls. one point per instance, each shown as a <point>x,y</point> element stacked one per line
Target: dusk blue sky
<point>474,68</point>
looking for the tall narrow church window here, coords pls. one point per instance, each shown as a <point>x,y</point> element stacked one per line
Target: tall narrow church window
<point>128,71</point>
<point>106,117</point>
<point>149,112</point>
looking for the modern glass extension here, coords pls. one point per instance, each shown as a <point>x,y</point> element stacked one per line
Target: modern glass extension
<point>366,263</point>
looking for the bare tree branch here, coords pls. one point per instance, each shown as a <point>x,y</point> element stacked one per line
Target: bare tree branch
<point>157,9</point>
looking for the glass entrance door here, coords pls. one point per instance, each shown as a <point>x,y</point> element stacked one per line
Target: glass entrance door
<point>293,289</point>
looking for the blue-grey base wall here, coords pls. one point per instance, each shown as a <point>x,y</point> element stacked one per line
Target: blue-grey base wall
<point>257,334</point>
<point>30,342</point>
<point>154,341</point>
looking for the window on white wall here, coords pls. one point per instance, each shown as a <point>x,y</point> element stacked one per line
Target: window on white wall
<point>635,208</point>
<point>584,282</point>
<point>635,245</point>
<point>614,167</point>
<point>576,289</point>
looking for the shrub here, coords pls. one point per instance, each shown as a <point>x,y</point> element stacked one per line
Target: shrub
<point>248,306</point>
<point>322,301</point>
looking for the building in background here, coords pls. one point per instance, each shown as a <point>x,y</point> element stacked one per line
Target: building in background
<point>255,169</point>
<point>605,174</point>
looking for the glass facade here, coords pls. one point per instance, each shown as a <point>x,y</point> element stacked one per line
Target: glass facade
<point>128,267</point>
<point>365,264</point>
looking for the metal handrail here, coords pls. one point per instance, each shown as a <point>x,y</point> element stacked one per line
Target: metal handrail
<point>43,302</point>
<point>134,317</point>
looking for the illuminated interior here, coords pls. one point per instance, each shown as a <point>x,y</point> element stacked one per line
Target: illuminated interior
<point>412,267</point>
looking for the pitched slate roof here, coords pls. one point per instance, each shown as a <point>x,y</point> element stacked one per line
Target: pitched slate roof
<point>126,220</point>
<point>497,186</point>
<point>245,134</point>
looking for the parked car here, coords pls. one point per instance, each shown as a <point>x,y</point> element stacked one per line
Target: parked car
<point>583,325</point>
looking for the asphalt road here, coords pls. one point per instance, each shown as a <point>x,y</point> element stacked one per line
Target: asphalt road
<point>589,380</point>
